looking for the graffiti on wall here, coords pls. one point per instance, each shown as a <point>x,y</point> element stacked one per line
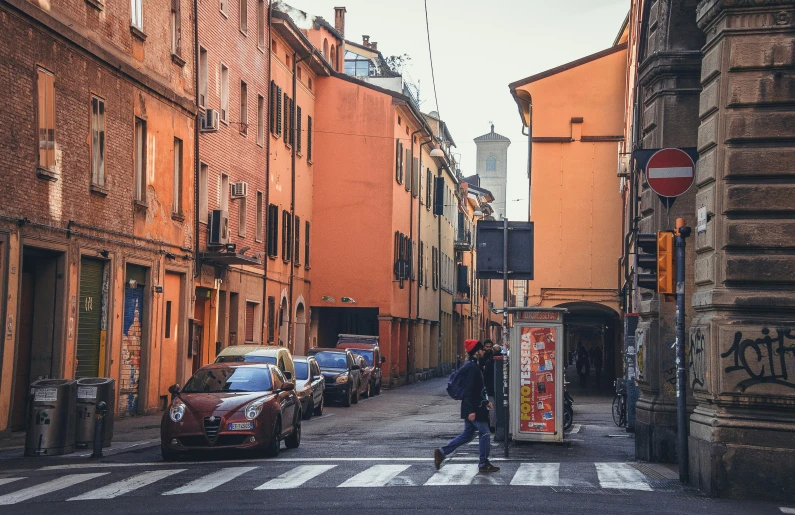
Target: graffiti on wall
<point>768,358</point>
<point>130,353</point>
<point>697,358</point>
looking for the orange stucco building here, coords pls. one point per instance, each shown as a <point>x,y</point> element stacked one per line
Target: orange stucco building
<point>575,116</point>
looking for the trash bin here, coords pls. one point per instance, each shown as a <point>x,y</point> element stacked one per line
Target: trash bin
<point>51,426</point>
<point>90,392</point>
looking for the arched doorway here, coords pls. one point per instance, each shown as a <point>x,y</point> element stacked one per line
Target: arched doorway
<point>597,327</point>
<point>300,330</point>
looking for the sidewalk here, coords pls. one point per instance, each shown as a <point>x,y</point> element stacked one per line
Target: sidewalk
<point>139,430</point>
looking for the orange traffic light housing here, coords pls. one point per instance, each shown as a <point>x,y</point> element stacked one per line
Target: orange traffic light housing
<point>666,274</point>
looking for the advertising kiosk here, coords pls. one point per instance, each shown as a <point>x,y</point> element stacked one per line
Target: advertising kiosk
<point>536,374</point>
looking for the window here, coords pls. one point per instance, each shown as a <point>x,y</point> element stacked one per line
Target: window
<point>407,165</point>
<point>260,120</point>
<point>289,137</point>
<point>298,129</point>
<point>358,65</point>
<point>223,193</point>
<point>224,5</point>
<point>398,161</point>
<point>204,184</point>
<point>243,8</point>
<point>273,230</point>
<point>45,87</point>
<point>306,246</point>
<point>224,94</point>
<point>428,189</point>
<point>261,23</point>
<point>259,225</point>
<point>297,242</point>
<point>415,177</point>
<point>309,138</point>
<point>272,108</point>
<point>298,72</point>
<point>137,14</point>
<point>202,77</point>
<point>251,309</point>
<point>271,319</point>
<point>278,111</point>
<point>333,57</point>
<point>435,268</point>
<point>241,218</point>
<point>420,262</point>
<point>97,141</point>
<point>176,27</point>
<point>287,242</point>
<point>140,160</point>
<point>177,207</point>
<point>325,49</point>
<point>168,319</point>
<point>491,164</point>
<point>309,83</point>
<point>243,108</point>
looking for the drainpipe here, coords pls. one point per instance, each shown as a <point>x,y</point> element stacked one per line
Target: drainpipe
<point>419,224</point>
<point>266,256</point>
<point>411,239</point>
<point>196,158</point>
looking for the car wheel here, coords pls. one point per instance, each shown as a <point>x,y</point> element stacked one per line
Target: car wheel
<point>294,440</point>
<point>168,454</point>
<point>348,399</point>
<point>307,413</point>
<point>273,448</point>
<point>319,409</point>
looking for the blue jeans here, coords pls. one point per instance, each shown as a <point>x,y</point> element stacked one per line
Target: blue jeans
<point>484,440</point>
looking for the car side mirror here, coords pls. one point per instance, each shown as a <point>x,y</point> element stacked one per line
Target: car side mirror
<point>173,389</point>
<point>288,386</point>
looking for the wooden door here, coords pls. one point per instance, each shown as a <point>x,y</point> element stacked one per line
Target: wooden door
<point>172,315</point>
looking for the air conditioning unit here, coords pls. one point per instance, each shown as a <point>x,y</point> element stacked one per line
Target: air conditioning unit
<point>210,121</point>
<point>219,228</point>
<point>239,189</point>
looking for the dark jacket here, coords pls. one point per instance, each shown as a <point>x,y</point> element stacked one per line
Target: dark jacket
<point>487,366</point>
<point>475,401</point>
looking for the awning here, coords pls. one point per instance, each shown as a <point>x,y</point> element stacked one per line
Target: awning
<point>228,258</point>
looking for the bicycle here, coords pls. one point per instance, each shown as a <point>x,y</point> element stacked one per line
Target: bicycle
<point>620,403</point>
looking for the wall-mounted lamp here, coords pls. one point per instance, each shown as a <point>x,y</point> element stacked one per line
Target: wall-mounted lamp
<point>437,152</point>
<point>159,289</point>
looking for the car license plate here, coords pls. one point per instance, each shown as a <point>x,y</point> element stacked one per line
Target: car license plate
<point>241,426</point>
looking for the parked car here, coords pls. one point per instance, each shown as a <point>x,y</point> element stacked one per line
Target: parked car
<point>232,406</point>
<point>342,375</point>
<point>369,349</point>
<point>309,385</point>
<point>279,356</point>
<point>366,388</point>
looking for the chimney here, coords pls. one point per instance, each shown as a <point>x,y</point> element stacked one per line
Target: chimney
<point>339,19</point>
<point>366,41</point>
<point>374,45</point>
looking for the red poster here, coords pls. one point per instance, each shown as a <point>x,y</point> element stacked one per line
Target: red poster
<point>536,380</point>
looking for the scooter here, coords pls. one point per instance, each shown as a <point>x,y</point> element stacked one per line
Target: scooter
<point>568,409</point>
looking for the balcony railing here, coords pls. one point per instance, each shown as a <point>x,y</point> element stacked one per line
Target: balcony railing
<point>463,240</point>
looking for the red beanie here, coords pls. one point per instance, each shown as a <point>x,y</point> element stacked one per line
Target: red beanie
<point>472,345</point>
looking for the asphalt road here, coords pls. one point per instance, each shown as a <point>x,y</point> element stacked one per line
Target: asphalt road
<point>374,456</point>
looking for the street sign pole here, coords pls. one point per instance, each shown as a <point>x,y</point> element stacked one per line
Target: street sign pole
<point>505,313</point>
<point>682,232</point>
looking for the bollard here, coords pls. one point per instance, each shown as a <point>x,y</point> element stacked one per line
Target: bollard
<point>99,429</point>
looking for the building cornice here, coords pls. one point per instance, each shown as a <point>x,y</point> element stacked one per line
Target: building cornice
<point>708,10</point>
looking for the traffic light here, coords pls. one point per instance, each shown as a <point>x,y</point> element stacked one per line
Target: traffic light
<point>665,263</point>
<point>646,259</point>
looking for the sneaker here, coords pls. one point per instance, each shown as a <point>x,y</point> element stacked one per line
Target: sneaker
<point>438,458</point>
<point>488,467</point>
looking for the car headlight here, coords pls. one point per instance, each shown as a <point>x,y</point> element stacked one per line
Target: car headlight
<point>342,379</point>
<point>254,409</point>
<point>177,411</point>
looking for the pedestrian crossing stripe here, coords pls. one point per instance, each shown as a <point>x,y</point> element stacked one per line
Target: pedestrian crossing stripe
<point>621,476</point>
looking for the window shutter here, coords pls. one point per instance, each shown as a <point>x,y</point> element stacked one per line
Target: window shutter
<point>271,318</point>
<point>286,118</point>
<point>250,321</point>
<point>298,135</point>
<point>415,176</point>
<point>309,139</point>
<point>397,160</point>
<point>292,120</point>
<point>272,107</point>
<point>296,242</point>
<point>396,251</point>
<point>278,111</point>
<point>407,167</point>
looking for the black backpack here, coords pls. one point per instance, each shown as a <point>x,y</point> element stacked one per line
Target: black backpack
<point>456,385</point>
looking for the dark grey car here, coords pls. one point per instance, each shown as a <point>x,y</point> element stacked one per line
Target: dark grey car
<point>309,385</point>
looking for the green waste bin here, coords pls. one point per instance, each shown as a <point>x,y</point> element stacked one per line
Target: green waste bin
<point>51,426</point>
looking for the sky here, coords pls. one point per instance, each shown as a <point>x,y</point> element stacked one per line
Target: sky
<point>478,49</point>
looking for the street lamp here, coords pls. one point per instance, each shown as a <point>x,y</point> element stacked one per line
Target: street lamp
<point>437,152</point>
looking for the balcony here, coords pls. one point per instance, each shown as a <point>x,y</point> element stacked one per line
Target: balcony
<point>463,241</point>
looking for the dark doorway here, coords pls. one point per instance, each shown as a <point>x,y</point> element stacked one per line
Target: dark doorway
<point>40,321</point>
<point>335,321</point>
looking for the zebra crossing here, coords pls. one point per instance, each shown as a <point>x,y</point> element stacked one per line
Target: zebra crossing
<point>182,480</point>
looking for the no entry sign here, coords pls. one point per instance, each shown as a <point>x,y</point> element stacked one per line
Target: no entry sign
<point>670,172</point>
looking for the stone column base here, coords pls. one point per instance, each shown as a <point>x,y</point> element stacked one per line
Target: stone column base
<point>731,455</point>
<point>655,432</point>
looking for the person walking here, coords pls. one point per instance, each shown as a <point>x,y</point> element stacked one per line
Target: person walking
<point>487,364</point>
<point>583,364</point>
<point>474,410</point>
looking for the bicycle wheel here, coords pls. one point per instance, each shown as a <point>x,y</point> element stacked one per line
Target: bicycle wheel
<point>623,411</point>
<point>617,410</point>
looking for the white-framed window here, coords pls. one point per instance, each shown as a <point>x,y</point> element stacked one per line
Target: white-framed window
<point>223,193</point>
<point>241,217</point>
<point>243,108</point>
<point>243,10</point>
<point>261,23</point>
<point>140,160</point>
<point>260,219</point>
<point>260,120</point>
<point>97,141</point>
<point>224,93</point>
<point>45,118</point>
<point>176,27</point>
<point>224,7</point>
<point>177,207</point>
<point>137,14</point>
<point>203,67</point>
<point>204,186</point>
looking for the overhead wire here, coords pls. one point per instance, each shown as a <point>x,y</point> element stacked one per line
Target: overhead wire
<point>430,55</point>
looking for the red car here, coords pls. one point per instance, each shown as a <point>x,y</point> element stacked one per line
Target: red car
<point>247,406</point>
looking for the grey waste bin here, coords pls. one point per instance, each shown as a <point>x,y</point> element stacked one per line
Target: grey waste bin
<point>91,391</point>
<point>51,426</point>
